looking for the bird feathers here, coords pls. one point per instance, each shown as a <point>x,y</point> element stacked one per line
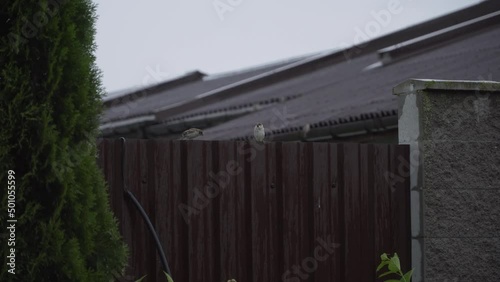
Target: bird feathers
<point>259,132</point>
<point>191,133</point>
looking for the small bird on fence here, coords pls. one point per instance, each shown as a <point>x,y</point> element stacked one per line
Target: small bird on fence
<point>259,132</point>
<point>191,134</point>
<point>305,129</point>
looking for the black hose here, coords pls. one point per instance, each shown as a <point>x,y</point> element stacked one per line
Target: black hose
<point>151,228</point>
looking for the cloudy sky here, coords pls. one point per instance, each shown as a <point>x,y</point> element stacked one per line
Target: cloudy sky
<point>145,42</point>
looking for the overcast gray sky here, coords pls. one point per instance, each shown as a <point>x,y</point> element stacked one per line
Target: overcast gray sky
<point>144,42</point>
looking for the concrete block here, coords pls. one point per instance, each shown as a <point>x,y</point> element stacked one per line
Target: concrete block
<point>459,165</point>
<point>462,259</point>
<point>464,116</point>
<point>462,213</point>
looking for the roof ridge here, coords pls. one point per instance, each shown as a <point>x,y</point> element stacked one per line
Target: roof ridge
<point>288,60</point>
<point>149,90</point>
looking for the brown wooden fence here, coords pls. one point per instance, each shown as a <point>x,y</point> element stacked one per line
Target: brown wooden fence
<point>273,212</point>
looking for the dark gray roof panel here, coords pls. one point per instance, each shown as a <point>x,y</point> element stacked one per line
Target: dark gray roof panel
<point>345,90</point>
<point>147,104</point>
<point>301,85</point>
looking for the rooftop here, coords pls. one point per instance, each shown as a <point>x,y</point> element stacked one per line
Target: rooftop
<point>328,95</point>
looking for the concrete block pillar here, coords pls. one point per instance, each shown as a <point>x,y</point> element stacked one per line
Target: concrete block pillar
<point>453,129</point>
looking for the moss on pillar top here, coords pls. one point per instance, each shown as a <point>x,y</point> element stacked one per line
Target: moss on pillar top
<point>430,85</point>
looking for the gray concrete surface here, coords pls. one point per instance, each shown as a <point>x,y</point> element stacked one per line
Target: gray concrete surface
<point>453,129</point>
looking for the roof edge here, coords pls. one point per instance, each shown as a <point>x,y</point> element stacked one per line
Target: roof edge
<point>413,85</point>
<point>144,92</point>
<point>375,121</point>
<point>437,38</point>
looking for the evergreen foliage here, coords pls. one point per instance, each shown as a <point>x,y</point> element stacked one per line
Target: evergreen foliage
<point>50,101</point>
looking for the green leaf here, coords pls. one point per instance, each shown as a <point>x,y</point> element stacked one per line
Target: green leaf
<point>395,255</point>
<point>394,264</point>
<point>140,279</point>
<point>392,267</point>
<point>169,279</point>
<point>384,257</point>
<point>387,273</point>
<point>392,280</point>
<point>407,276</point>
<point>382,264</point>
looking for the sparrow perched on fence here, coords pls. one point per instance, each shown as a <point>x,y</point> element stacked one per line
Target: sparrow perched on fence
<point>305,129</point>
<point>191,134</point>
<point>259,133</point>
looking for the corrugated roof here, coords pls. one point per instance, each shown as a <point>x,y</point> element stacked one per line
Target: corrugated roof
<point>135,93</point>
<point>345,91</point>
<point>143,105</point>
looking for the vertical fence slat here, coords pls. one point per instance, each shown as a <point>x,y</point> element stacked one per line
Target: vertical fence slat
<point>244,212</point>
<point>352,212</point>
<point>275,220</point>
<point>337,163</point>
<point>382,227</point>
<point>137,173</point>
<point>179,209</point>
<point>125,212</point>
<point>305,209</point>
<point>290,206</point>
<point>400,198</point>
<point>279,210</point>
<point>258,217</point>
<point>367,260</point>
<point>148,192</point>
<point>160,155</point>
<point>201,225</point>
<point>335,210</point>
<point>195,180</point>
<point>325,213</point>
<point>214,190</point>
<point>140,190</point>
<point>264,228</point>
<point>227,212</point>
<point>296,233</point>
<point>137,230</point>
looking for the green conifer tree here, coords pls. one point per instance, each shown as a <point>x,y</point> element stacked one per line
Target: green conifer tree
<point>50,101</point>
